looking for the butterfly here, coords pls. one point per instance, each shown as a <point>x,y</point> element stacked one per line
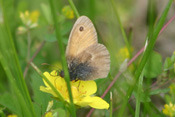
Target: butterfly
<point>86,58</point>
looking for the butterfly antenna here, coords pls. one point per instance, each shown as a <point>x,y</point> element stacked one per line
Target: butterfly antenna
<point>57,68</point>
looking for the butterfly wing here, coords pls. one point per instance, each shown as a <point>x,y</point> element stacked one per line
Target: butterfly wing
<point>82,36</point>
<point>87,60</point>
<point>97,62</point>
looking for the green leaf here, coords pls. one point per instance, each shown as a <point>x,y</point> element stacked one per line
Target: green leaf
<point>168,98</point>
<point>59,112</point>
<point>144,97</point>
<point>158,91</point>
<point>168,64</point>
<point>40,98</point>
<point>66,28</point>
<point>6,100</point>
<point>153,66</point>
<point>173,58</point>
<point>47,13</point>
<point>50,38</point>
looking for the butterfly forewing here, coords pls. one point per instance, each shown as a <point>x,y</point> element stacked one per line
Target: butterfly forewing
<point>82,36</point>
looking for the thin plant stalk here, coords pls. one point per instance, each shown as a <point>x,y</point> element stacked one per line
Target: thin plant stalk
<point>62,52</point>
<point>34,55</point>
<point>111,107</point>
<point>138,98</point>
<point>121,28</point>
<point>28,44</point>
<point>74,8</point>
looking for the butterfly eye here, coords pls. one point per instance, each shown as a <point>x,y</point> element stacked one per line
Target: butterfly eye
<point>81,28</point>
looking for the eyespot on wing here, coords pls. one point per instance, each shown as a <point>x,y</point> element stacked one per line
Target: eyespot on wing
<point>82,36</point>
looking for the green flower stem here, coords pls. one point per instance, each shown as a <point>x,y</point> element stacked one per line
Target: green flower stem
<point>74,8</point>
<point>32,58</point>
<point>111,108</point>
<point>48,82</point>
<point>28,44</point>
<point>145,57</point>
<point>63,59</point>
<point>122,29</point>
<point>139,91</point>
<point>92,9</point>
<point>151,8</point>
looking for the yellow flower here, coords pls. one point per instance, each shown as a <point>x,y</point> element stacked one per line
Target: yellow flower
<point>30,19</point>
<point>169,109</point>
<point>48,114</point>
<point>82,91</point>
<point>22,29</point>
<point>68,12</point>
<point>34,16</point>
<point>122,54</point>
<point>13,115</point>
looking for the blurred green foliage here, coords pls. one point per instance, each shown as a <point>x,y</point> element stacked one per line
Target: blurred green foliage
<point>22,96</point>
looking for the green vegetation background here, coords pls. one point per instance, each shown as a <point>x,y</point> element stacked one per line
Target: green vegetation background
<point>123,38</point>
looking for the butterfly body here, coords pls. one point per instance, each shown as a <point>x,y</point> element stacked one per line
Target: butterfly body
<point>79,70</point>
<point>86,58</point>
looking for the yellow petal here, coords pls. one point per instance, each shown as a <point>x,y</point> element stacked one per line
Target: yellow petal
<point>51,77</point>
<point>75,92</point>
<point>34,16</point>
<point>60,84</point>
<point>68,12</point>
<point>44,89</point>
<point>47,90</point>
<point>48,114</point>
<point>86,87</point>
<point>13,115</point>
<point>54,73</point>
<point>85,101</point>
<point>99,103</point>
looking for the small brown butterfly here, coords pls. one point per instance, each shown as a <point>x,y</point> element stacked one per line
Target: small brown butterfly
<point>86,58</point>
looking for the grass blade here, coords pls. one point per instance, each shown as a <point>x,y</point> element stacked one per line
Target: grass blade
<point>74,8</point>
<point>121,28</point>
<point>63,59</point>
<point>10,63</point>
<point>137,111</point>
